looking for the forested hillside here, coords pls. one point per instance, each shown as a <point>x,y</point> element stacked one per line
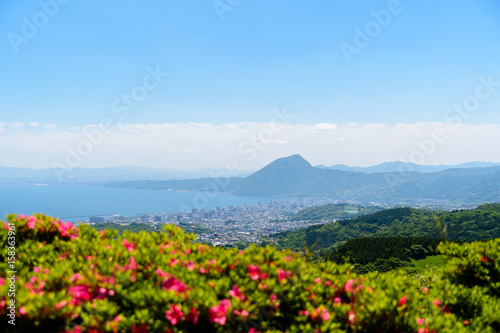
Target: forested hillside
<point>464,225</point>
<point>333,211</point>
<point>383,253</point>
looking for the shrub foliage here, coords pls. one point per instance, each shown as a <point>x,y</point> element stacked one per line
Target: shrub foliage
<point>82,280</point>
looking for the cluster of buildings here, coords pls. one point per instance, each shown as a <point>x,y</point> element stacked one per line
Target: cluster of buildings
<point>227,226</point>
<point>232,226</point>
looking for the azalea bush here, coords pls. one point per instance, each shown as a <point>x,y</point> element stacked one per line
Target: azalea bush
<point>71,279</point>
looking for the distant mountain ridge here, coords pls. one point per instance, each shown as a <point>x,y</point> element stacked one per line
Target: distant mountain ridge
<point>145,173</point>
<point>408,167</point>
<point>294,176</point>
<point>107,174</point>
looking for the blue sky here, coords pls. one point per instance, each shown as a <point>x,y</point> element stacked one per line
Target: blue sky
<point>263,55</point>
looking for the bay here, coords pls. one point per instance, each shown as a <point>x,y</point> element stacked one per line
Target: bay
<point>74,202</point>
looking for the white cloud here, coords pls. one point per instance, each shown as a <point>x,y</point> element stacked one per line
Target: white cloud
<point>252,145</point>
<point>324,127</point>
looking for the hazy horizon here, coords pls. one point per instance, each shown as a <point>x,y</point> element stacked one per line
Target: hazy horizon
<point>253,170</point>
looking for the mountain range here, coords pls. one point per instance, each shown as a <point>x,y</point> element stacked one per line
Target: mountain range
<point>405,167</point>
<point>145,173</point>
<point>294,176</point>
<point>12,174</point>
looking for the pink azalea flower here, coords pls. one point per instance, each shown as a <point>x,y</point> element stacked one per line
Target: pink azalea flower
<point>317,280</point>
<point>320,313</point>
<point>337,300</point>
<point>253,271</point>
<point>281,274</point>
<point>436,302</point>
<point>242,313</point>
<point>466,322</point>
<point>236,293</point>
<point>22,310</point>
<point>173,284</point>
<point>190,265</point>
<point>217,314</point>
<point>420,321</point>
<point>160,273</point>
<point>402,300</point>
<point>6,226</point>
<point>192,316</point>
<point>61,304</point>
<point>352,317</point>
<point>32,222</point>
<point>173,262</point>
<point>79,294</point>
<point>64,227</point>
<point>348,285</point>
<point>75,277</point>
<point>37,269</point>
<point>325,315</point>
<point>304,313</point>
<point>174,314</point>
<point>130,246</point>
<point>132,264</point>
<point>21,217</point>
